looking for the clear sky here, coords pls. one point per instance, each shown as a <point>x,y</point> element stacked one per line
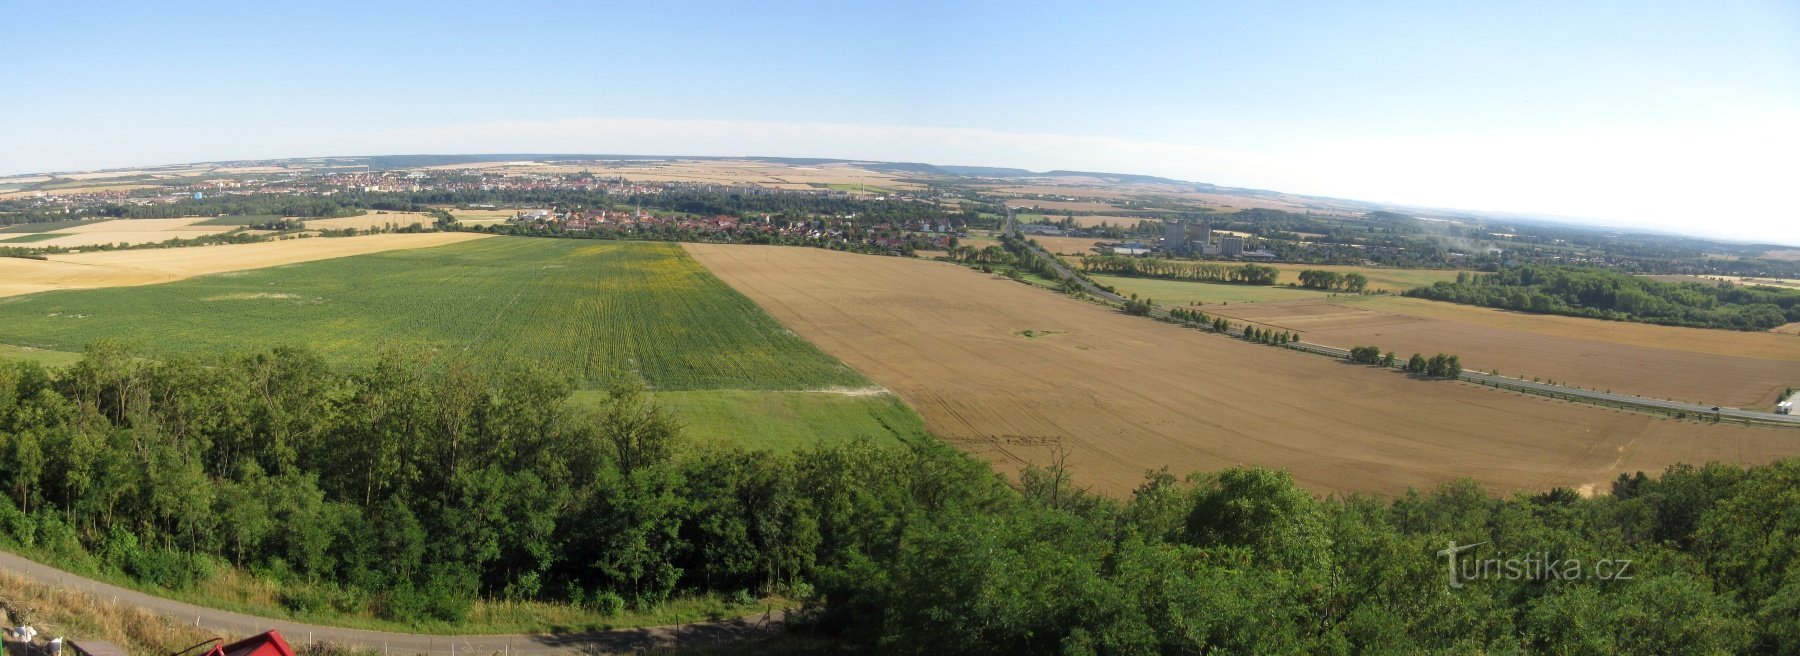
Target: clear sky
<point>1681,116</point>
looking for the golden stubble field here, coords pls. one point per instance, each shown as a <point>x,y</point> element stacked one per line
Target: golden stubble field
<point>152,266</point>
<point>1739,369</point>
<point>371,221</point>
<point>130,231</point>
<point>1125,395</point>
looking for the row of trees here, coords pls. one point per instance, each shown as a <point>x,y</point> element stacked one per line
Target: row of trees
<point>1267,336</point>
<point>1333,280</point>
<point>414,486</point>
<point>1153,267</point>
<point>1437,366</point>
<point>1606,294</point>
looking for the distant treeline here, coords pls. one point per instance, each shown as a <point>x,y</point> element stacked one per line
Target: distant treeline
<point>1605,294</point>
<point>411,488</point>
<point>1155,267</point>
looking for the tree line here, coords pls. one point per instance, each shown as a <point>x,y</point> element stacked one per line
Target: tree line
<point>1332,280</point>
<point>1155,267</point>
<point>1605,294</point>
<point>412,486</point>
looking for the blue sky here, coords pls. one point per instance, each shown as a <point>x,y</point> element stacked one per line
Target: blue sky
<point>1681,116</point>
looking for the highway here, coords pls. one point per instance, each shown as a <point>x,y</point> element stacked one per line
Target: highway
<point>1694,410</point>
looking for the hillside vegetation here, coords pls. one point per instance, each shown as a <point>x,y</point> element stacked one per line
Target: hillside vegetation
<point>1604,294</point>
<point>398,490</point>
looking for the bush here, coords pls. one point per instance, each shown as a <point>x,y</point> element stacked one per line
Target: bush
<point>607,603</point>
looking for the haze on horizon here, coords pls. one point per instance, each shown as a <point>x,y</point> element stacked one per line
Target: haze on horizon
<point>1672,117</point>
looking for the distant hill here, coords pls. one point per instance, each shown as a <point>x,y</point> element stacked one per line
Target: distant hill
<point>987,172</point>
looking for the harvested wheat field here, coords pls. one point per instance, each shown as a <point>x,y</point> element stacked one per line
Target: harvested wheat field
<point>129,231</point>
<point>1012,374</point>
<point>152,266</point>
<point>1073,246</point>
<point>1738,369</point>
<point>371,221</point>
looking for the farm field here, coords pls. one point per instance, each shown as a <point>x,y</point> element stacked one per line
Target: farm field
<point>124,231</point>
<point>586,310</point>
<point>786,420</point>
<point>153,266</point>
<point>239,220</point>
<point>1743,370</point>
<point>1067,245</point>
<point>1380,278</point>
<point>482,217</point>
<point>1085,221</point>
<point>1187,292</point>
<point>46,358</point>
<point>1013,374</point>
<point>50,226</point>
<point>371,220</point>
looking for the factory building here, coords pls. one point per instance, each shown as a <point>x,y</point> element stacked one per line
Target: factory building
<point>1187,238</point>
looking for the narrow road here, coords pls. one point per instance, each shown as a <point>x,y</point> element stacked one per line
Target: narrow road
<point>591,642</point>
<point>1694,410</point>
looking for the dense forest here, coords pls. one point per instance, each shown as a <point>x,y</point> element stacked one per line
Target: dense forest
<point>1604,294</point>
<point>411,487</point>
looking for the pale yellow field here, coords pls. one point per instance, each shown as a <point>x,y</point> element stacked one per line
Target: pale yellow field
<point>131,231</point>
<point>152,266</point>
<point>760,173</point>
<point>370,221</point>
<point>139,225</point>
<point>1075,246</point>
<point>1061,205</point>
<point>1767,346</point>
<point>482,217</point>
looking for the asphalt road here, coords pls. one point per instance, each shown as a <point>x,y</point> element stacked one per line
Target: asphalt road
<point>1698,410</point>
<point>592,642</point>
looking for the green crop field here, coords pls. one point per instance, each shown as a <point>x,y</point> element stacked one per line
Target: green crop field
<point>592,310</point>
<point>46,226</point>
<point>1185,292</point>
<point>29,238</point>
<point>786,421</point>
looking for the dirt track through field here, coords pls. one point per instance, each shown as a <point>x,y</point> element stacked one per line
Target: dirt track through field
<point>1012,373</point>
<point>159,265</point>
